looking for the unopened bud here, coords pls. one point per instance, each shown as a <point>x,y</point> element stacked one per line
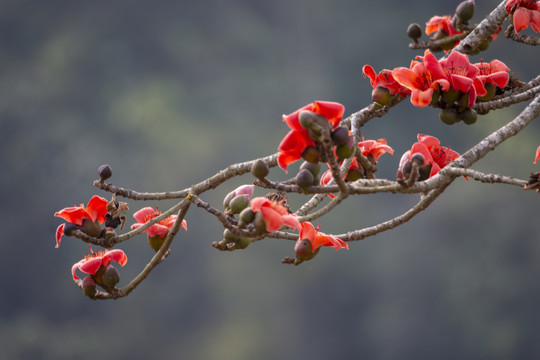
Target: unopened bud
<point>418,159</point>
<point>340,135</point>
<point>469,116</point>
<point>381,96</point>
<point>311,154</point>
<point>242,242</point>
<point>484,45</point>
<point>315,168</point>
<point>70,228</point>
<point>450,95</point>
<point>346,150</point>
<point>302,250</point>
<point>260,169</point>
<point>355,174</point>
<point>104,172</point>
<point>229,236</point>
<point>111,277</point>
<point>246,216</point>
<point>307,119</point>
<point>449,116</point>
<point>304,179</point>
<point>465,11</point>
<point>238,203</point>
<point>89,286</point>
<point>414,31</point>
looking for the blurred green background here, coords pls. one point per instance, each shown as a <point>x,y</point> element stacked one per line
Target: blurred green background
<point>170,92</point>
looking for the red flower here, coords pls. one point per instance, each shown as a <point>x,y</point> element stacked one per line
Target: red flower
<point>311,240</point>
<point>386,80</point>
<point>160,228</point>
<point>524,12</point>
<point>91,263</point>
<point>95,211</point>
<point>275,215</point>
<point>459,72</point>
<point>443,23</point>
<point>297,140</point>
<point>537,157</point>
<point>421,81</point>
<point>375,148</point>
<point>494,72</point>
<point>434,154</point>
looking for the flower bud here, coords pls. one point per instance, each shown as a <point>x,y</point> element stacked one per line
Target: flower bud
<point>311,154</point>
<point>302,250</point>
<point>346,150</point>
<point>155,242</point>
<point>449,116</point>
<point>340,135</point>
<point>246,216</point>
<point>414,31</point>
<point>304,179</point>
<point>70,228</point>
<point>381,96</point>
<point>469,116</point>
<point>111,277</point>
<point>314,168</point>
<point>465,11</point>
<point>418,159</point>
<point>260,169</point>
<point>308,119</point>
<point>104,172</point>
<point>242,242</point>
<point>89,286</point>
<point>229,236</point>
<point>238,203</point>
<point>258,222</point>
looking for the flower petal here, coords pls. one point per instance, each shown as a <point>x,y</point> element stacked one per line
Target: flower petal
<point>115,255</point>
<point>421,98</point>
<point>537,157</point>
<point>74,268</point>
<point>91,266</point>
<point>74,215</point>
<point>59,234</point>
<point>522,18</point>
<point>332,111</point>
<point>406,77</point>
<point>145,214</point>
<point>97,208</point>
<point>272,218</point>
<point>157,229</point>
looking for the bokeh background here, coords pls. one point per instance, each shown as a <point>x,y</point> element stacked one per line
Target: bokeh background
<point>170,92</point>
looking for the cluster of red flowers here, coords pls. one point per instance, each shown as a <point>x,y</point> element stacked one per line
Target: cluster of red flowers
<point>452,84</point>
<point>92,220</point>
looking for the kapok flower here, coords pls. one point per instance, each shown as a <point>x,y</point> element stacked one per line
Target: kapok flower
<point>91,263</point>
<point>310,240</point>
<point>524,12</point>
<point>494,72</point>
<point>297,140</point>
<point>160,228</point>
<point>375,148</point>
<point>421,81</point>
<point>441,23</point>
<point>434,154</point>
<point>458,71</point>
<point>537,156</point>
<point>95,212</point>
<point>385,80</point>
<point>274,213</point>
